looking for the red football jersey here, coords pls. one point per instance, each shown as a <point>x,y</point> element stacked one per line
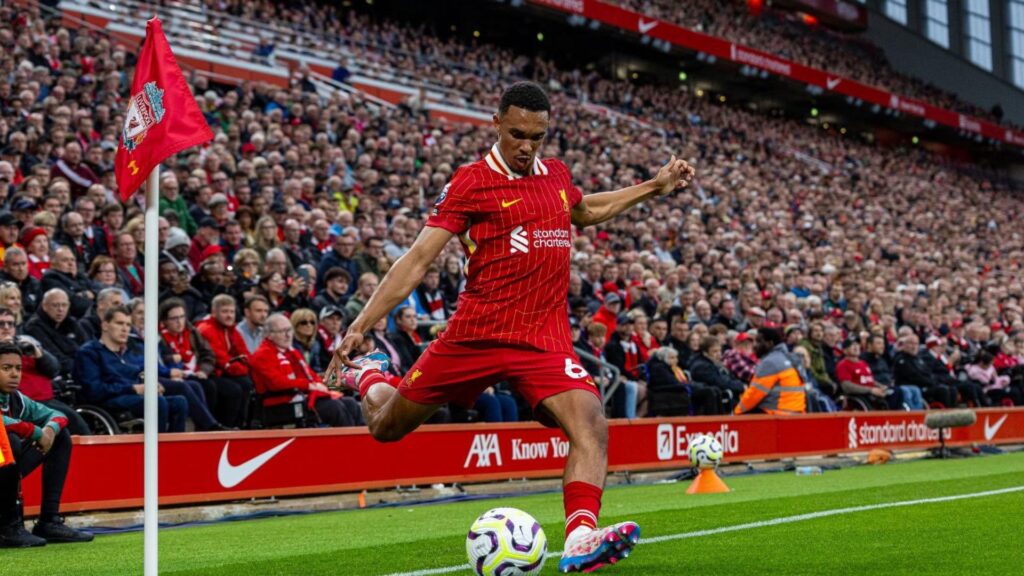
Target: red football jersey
<point>855,371</point>
<point>517,234</point>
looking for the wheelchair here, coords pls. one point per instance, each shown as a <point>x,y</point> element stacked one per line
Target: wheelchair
<point>101,421</point>
<point>294,413</point>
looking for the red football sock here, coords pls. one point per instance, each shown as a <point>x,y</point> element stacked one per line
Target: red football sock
<point>370,378</point>
<point>582,505</point>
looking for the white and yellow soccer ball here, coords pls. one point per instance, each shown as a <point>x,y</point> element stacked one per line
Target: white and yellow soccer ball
<point>506,542</point>
<point>705,452</point>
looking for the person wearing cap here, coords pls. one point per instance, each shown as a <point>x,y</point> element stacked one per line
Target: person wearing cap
<point>24,208</point>
<point>210,279</point>
<point>575,331</point>
<point>331,328</point>
<point>794,334</point>
<point>171,200</point>
<point>756,316</point>
<point>740,360</point>
<point>208,235</point>
<point>37,248</point>
<point>776,387</point>
<point>608,313</point>
<point>176,249</point>
<point>621,352</point>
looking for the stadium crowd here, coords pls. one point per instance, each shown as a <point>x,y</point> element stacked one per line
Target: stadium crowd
<point>891,278</point>
<point>470,72</point>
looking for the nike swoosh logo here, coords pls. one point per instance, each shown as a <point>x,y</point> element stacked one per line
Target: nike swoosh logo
<point>646,27</point>
<point>833,82</point>
<point>990,431</point>
<point>505,204</point>
<point>230,476</point>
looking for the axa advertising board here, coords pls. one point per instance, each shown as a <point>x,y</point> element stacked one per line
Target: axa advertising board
<point>106,472</point>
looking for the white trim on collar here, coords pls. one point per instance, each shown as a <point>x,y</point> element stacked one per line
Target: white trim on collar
<point>497,163</point>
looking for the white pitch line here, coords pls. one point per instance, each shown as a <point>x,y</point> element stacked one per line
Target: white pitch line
<point>759,524</point>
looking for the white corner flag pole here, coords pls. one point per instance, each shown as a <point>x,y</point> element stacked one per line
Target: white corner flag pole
<point>152,386</point>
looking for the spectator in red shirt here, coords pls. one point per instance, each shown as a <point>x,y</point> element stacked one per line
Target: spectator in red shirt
<point>645,342</point>
<point>278,366</point>
<point>855,376</point>
<point>609,312</point>
<point>208,235</point>
<point>219,330</point>
<point>37,249</point>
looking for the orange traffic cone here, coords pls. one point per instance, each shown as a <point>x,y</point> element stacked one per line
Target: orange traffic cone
<point>707,482</point>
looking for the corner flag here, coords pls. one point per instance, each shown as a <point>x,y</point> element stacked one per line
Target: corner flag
<point>162,117</point>
<point>6,455</point>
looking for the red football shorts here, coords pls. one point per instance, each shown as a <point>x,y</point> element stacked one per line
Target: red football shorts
<point>458,373</point>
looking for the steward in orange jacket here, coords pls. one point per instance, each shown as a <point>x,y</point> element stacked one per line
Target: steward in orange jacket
<point>776,387</point>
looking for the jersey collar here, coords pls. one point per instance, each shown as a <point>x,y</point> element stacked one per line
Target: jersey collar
<point>497,163</point>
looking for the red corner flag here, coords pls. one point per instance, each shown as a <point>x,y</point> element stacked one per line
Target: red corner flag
<point>162,117</point>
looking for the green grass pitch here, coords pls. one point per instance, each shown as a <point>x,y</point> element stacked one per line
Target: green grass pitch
<point>979,535</point>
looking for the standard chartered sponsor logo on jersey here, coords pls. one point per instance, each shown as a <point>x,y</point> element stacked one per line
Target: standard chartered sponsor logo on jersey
<point>891,433</point>
<point>551,239</point>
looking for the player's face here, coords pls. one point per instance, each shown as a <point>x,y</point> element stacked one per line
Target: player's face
<point>520,135</point>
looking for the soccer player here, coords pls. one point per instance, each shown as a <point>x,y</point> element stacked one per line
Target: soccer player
<point>513,213</point>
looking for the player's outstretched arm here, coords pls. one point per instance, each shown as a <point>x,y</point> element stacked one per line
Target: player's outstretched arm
<point>396,286</point>
<point>603,206</point>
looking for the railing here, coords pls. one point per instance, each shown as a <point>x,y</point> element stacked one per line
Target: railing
<point>607,390</point>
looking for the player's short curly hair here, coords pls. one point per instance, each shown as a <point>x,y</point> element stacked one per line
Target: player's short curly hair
<point>526,95</point>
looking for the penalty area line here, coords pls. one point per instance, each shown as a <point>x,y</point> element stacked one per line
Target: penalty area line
<point>759,524</point>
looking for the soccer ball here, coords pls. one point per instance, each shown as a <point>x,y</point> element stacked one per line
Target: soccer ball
<point>506,542</point>
<point>705,452</point>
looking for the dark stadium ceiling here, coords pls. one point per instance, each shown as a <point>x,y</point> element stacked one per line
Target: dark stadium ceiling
<point>574,42</point>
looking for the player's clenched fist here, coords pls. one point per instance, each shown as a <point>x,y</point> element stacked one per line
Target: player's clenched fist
<point>677,173</point>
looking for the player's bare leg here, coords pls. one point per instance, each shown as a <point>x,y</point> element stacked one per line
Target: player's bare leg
<point>390,416</point>
<point>580,415</point>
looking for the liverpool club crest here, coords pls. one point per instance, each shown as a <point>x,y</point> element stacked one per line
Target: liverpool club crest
<point>145,110</point>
